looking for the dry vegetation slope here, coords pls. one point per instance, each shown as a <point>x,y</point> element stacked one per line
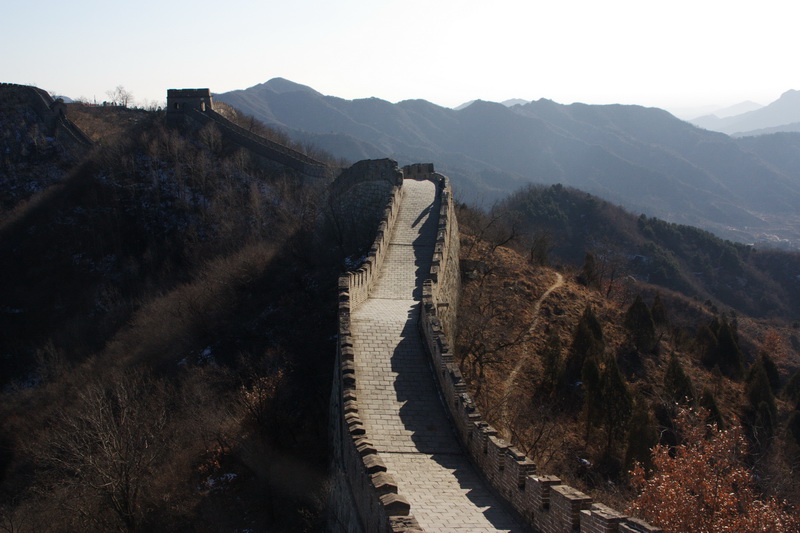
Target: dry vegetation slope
<point>546,410</point>
<point>165,346</point>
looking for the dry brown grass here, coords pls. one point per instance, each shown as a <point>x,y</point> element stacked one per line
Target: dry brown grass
<point>551,429</point>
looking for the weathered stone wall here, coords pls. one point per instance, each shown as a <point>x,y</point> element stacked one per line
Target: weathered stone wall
<point>364,496</point>
<point>356,202</point>
<point>542,501</point>
<point>52,113</point>
<point>445,272</point>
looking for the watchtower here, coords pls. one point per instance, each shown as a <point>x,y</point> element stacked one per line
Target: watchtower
<point>181,100</point>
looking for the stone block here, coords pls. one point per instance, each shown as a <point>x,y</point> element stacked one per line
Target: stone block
<point>347,366</point>
<point>350,406</point>
<point>364,447</point>
<point>538,490</point>
<point>357,429</point>
<point>348,354</point>
<point>373,463</point>
<point>566,503</point>
<point>405,524</point>
<point>636,525</point>
<point>600,519</point>
<point>395,505</point>
<point>384,483</point>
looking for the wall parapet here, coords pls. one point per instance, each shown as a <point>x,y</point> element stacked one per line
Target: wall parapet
<point>543,501</point>
<point>373,503</point>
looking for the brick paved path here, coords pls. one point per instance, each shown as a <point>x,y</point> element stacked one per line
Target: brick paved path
<point>398,400</point>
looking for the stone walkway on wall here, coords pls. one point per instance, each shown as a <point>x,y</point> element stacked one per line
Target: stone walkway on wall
<point>398,399</point>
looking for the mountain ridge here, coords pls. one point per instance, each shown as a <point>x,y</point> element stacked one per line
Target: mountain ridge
<point>783,111</point>
<point>642,158</point>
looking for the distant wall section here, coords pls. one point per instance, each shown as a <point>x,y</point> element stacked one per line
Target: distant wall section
<point>197,105</point>
<point>53,115</point>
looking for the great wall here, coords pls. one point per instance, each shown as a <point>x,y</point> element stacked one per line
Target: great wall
<point>197,105</point>
<point>401,461</point>
<point>51,112</point>
<point>409,450</point>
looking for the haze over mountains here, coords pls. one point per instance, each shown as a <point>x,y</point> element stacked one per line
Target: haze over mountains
<point>781,115</point>
<point>645,159</point>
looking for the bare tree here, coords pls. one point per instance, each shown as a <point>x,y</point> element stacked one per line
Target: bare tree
<point>120,96</point>
<point>106,447</point>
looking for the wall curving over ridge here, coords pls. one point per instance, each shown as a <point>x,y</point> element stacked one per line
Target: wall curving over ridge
<point>365,496</point>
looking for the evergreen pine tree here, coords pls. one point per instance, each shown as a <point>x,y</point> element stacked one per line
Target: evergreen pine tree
<point>640,325</point>
<point>616,402</point>
<point>642,436</point>
<point>758,389</point>
<point>709,403</point>
<point>658,311</point>
<point>771,370</point>
<point>793,426</point>
<point>677,384</point>
<point>707,343</point>
<point>590,376</point>
<point>587,341</point>
<point>589,276</point>
<point>762,412</point>
<point>552,363</point>
<point>726,352</point>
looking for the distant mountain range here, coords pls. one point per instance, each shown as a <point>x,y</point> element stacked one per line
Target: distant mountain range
<point>781,115</point>
<point>507,103</point>
<point>644,159</point>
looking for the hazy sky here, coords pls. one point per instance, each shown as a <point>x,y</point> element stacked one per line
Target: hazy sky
<point>676,54</point>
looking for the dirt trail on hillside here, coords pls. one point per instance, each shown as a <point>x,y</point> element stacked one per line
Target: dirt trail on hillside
<point>509,383</point>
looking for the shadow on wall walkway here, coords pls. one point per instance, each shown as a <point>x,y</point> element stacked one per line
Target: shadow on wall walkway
<point>423,415</point>
<point>424,244</point>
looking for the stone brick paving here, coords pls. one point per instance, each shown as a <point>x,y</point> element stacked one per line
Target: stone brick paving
<point>398,399</point>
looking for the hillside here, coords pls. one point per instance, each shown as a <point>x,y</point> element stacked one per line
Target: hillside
<point>526,348</point>
<point>32,159</point>
<point>644,159</point>
<point>168,278</point>
<point>568,223</point>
